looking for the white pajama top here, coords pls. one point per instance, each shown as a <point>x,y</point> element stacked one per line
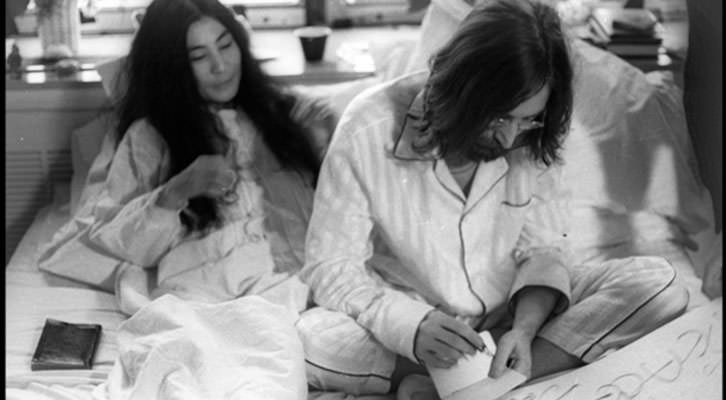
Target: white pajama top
<point>392,235</point>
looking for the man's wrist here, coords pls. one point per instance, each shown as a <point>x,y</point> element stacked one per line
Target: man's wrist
<point>533,306</point>
<point>526,328</point>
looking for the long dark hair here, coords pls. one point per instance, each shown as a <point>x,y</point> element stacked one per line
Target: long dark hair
<point>504,52</point>
<point>161,87</point>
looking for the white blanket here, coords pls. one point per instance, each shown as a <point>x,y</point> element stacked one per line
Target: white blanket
<point>174,349</point>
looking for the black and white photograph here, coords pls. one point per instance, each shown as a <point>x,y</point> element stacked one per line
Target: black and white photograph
<point>363,200</point>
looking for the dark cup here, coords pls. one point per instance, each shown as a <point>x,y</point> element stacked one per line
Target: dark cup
<point>312,40</point>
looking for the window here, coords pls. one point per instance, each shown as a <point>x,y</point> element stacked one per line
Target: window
<point>101,4</point>
<point>144,3</point>
<point>117,16</point>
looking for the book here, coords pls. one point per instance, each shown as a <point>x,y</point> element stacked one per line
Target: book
<point>65,345</point>
<point>625,22</point>
<point>633,50</point>
<point>625,32</point>
<point>602,35</point>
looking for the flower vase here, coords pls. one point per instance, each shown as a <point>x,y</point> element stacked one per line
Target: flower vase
<point>59,30</point>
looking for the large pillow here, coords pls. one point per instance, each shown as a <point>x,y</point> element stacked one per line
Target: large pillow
<point>391,58</point>
<point>629,161</point>
<point>86,144</point>
<point>112,77</point>
<point>438,25</point>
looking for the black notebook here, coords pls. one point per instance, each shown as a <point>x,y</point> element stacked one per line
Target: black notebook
<point>65,345</point>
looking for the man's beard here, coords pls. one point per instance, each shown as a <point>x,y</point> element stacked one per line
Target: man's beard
<point>485,150</point>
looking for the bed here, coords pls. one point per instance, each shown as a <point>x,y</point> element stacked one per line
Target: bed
<point>636,191</point>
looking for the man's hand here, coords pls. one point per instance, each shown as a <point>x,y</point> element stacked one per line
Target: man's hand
<point>441,340</point>
<point>514,351</point>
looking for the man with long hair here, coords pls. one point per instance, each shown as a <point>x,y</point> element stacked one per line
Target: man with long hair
<point>439,214</point>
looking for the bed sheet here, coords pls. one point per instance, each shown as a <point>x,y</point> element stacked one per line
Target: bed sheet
<point>32,296</point>
<point>22,268</point>
<point>27,307</point>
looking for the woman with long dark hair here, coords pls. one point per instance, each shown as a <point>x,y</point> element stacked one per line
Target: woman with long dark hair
<point>213,171</point>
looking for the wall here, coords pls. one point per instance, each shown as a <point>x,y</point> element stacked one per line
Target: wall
<point>703,94</point>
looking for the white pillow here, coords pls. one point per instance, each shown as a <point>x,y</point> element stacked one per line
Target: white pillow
<point>391,58</point>
<point>628,153</point>
<point>110,72</point>
<point>438,25</point>
<point>86,144</point>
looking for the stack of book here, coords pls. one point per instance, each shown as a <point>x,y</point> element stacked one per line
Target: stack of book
<point>627,32</point>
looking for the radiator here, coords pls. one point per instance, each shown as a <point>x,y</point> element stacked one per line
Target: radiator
<point>29,180</point>
<point>38,126</point>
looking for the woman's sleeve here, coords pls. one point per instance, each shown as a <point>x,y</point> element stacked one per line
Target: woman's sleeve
<point>126,220</point>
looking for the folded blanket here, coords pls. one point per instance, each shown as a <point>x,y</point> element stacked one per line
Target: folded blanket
<point>175,349</point>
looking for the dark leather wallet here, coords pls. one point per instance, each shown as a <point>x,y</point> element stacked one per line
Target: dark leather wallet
<point>65,345</point>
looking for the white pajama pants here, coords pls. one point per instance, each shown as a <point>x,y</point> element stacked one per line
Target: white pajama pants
<point>343,356</point>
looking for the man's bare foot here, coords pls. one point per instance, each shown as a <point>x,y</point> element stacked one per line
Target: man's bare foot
<point>417,387</point>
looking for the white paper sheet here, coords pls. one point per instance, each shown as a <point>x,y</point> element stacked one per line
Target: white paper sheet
<point>468,378</point>
<point>488,388</point>
<point>468,370</point>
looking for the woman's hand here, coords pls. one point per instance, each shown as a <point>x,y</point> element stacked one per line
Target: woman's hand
<point>441,340</point>
<point>514,351</point>
<point>208,175</point>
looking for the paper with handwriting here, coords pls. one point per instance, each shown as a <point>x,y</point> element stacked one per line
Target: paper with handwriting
<point>681,360</point>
